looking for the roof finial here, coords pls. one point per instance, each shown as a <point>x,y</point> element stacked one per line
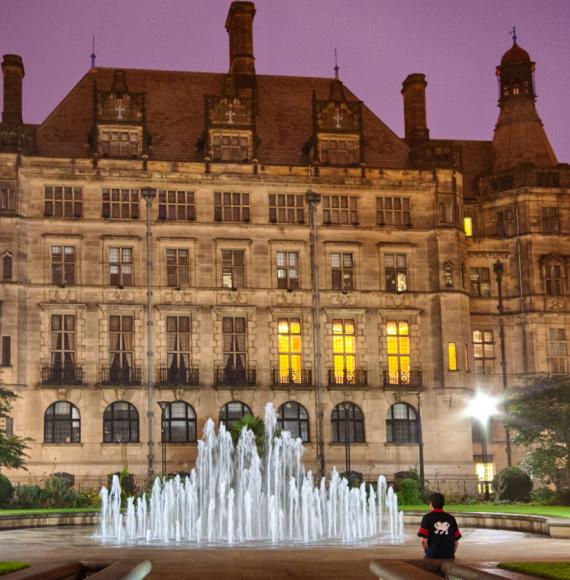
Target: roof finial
<point>336,67</point>
<point>93,55</point>
<point>514,34</point>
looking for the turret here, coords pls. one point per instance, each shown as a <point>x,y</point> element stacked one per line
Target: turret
<point>13,70</point>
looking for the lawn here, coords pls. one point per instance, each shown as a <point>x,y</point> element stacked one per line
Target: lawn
<point>40,511</point>
<point>551,570</point>
<point>538,510</point>
<point>7,567</point>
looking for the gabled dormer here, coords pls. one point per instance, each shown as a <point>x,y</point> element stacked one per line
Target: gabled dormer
<point>119,120</point>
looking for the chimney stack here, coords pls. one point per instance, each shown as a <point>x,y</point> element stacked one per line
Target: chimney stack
<point>13,69</point>
<point>239,25</point>
<point>414,91</point>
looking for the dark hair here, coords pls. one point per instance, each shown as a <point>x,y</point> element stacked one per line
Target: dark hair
<point>437,500</point>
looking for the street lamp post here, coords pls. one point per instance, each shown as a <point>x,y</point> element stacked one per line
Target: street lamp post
<point>347,408</point>
<point>149,194</point>
<point>498,268</point>
<point>163,407</point>
<point>421,442</point>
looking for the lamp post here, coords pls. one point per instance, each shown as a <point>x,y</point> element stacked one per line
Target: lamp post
<point>163,407</point>
<point>498,268</point>
<point>421,442</point>
<point>149,194</point>
<point>347,407</point>
<point>313,200</point>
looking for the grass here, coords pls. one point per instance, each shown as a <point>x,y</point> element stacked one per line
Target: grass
<point>7,567</point>
<point>537,510</point>
<point>550,570</point>
<point>41,511</point>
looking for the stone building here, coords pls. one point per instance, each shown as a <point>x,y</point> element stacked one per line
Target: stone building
<point>301,253</point>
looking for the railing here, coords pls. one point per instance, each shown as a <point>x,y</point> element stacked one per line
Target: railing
<point>346,378</point>
<point>292,379</point>
<point>232,377</point>
<point>55,375</point>
<point>127,376</point>
<point>405,379</point>
<point>184,377</point>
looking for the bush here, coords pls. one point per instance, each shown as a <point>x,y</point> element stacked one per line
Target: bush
<point>57,494</point>
<point>6,490</point>
<point>513,484</point>
<point>27,497</point>
<point>544,496</point>
<point>409,492</point>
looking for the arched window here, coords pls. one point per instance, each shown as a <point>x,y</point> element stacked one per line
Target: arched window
<point>62,423</point>
<point>347,420</point>
<point>232,412</point>
<point>121,423</point>
<point>293,417</point>
<point>402,424</point>
<point>178,422</point>
<point>7,267</point>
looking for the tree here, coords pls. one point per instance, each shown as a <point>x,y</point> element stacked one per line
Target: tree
<point>256,425</point>
<point>12,448</point>
<point>539,415</point>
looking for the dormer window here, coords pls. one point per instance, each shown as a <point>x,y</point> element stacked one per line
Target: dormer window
<point>119,141</point>
<point>339,149</point>
<point>231,146</point>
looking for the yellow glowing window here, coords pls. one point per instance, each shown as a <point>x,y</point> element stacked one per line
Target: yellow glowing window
<point>485,475</point>
<point>344,352</point>
<point>289,346</point>
<point>452,356</point>
<point>398,339</point>
<point>468,226</point>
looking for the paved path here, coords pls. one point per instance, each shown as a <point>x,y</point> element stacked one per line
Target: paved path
<point>56,544</point>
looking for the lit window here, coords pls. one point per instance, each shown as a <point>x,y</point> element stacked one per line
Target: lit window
<point>468,226</point>
<point>480,282</point>
<point>485,471</point>
<point>452,356</point>
<point>398,342</point>
<point>289,346</point>
<point>344,352</point>
<point>484,351</point>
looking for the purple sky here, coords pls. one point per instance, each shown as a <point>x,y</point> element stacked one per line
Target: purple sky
<point>456,43</point>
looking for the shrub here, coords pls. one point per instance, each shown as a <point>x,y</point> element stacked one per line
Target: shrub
<point>27,497</point>
<point>409,492</point>
<point>513,484</point>
<point>127,481</point>
<point>6,490</point>
<point>57,494</point>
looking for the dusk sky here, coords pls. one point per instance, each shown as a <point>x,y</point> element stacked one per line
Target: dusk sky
<point>456,43</point>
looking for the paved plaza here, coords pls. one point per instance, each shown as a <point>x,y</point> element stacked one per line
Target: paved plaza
<point>57,544</point>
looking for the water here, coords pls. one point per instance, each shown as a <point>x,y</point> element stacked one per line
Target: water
<point>233,496</point>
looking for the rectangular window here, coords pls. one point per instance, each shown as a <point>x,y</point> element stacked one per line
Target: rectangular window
<point>63,265</point>
<point>176,206</point>
<point>451,356</point>
<point>485,470</point>
<point>340,210</point>
<point>6,351</point>
<point>9,427</point>
<point>550,220</point>
<point>446,212</point>
<point>286,208</point>
<point>119,142</point>
<point>64,202</point>
<point>289,346</point>
<point>121,348</point>
<point>484,351</point>
<point>505,223</point>
<point>287,270</point>
<point>177,268</point>
<point>231,207</point>
<point>62,346</point>
<point>554,279</point>
<point>344,352</point>
<point>480,282</point>
<point>339,151</point>
<point>557,351</point>
<point>178,344</point>
<point>393,211</point>
<point>231,146</point>
<point>398,349</point>
<point>396,272</point>
<point>7,264</point>
<point>342,268</point>
<point>120,204</point>
<point>7,197</point>
<point>468,226</point>
<point>234,343</point>
<point>121,267</point>
<point>233,269</point>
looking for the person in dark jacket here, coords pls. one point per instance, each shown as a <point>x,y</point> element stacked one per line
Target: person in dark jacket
<point>439,534</point>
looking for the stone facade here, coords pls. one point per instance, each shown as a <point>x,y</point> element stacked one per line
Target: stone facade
<point>437,293</point>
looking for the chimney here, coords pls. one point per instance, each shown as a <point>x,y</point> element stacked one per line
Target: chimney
<point>13,69</point>
<point>414,91</point>
<point>239,25</point>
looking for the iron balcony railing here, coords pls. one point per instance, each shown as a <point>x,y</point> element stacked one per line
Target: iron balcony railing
<point>56,375</point>
<point>126,376</point>
<point>179,377</point>
<point>292,379</point>
<point>405,379</point>
<point>230,377</point>
<point>346,378</point>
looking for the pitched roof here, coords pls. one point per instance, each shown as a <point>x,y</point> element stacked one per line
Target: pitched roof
<point>175,117</point>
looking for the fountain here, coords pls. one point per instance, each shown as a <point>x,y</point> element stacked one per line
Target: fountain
<point>233,496</point>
